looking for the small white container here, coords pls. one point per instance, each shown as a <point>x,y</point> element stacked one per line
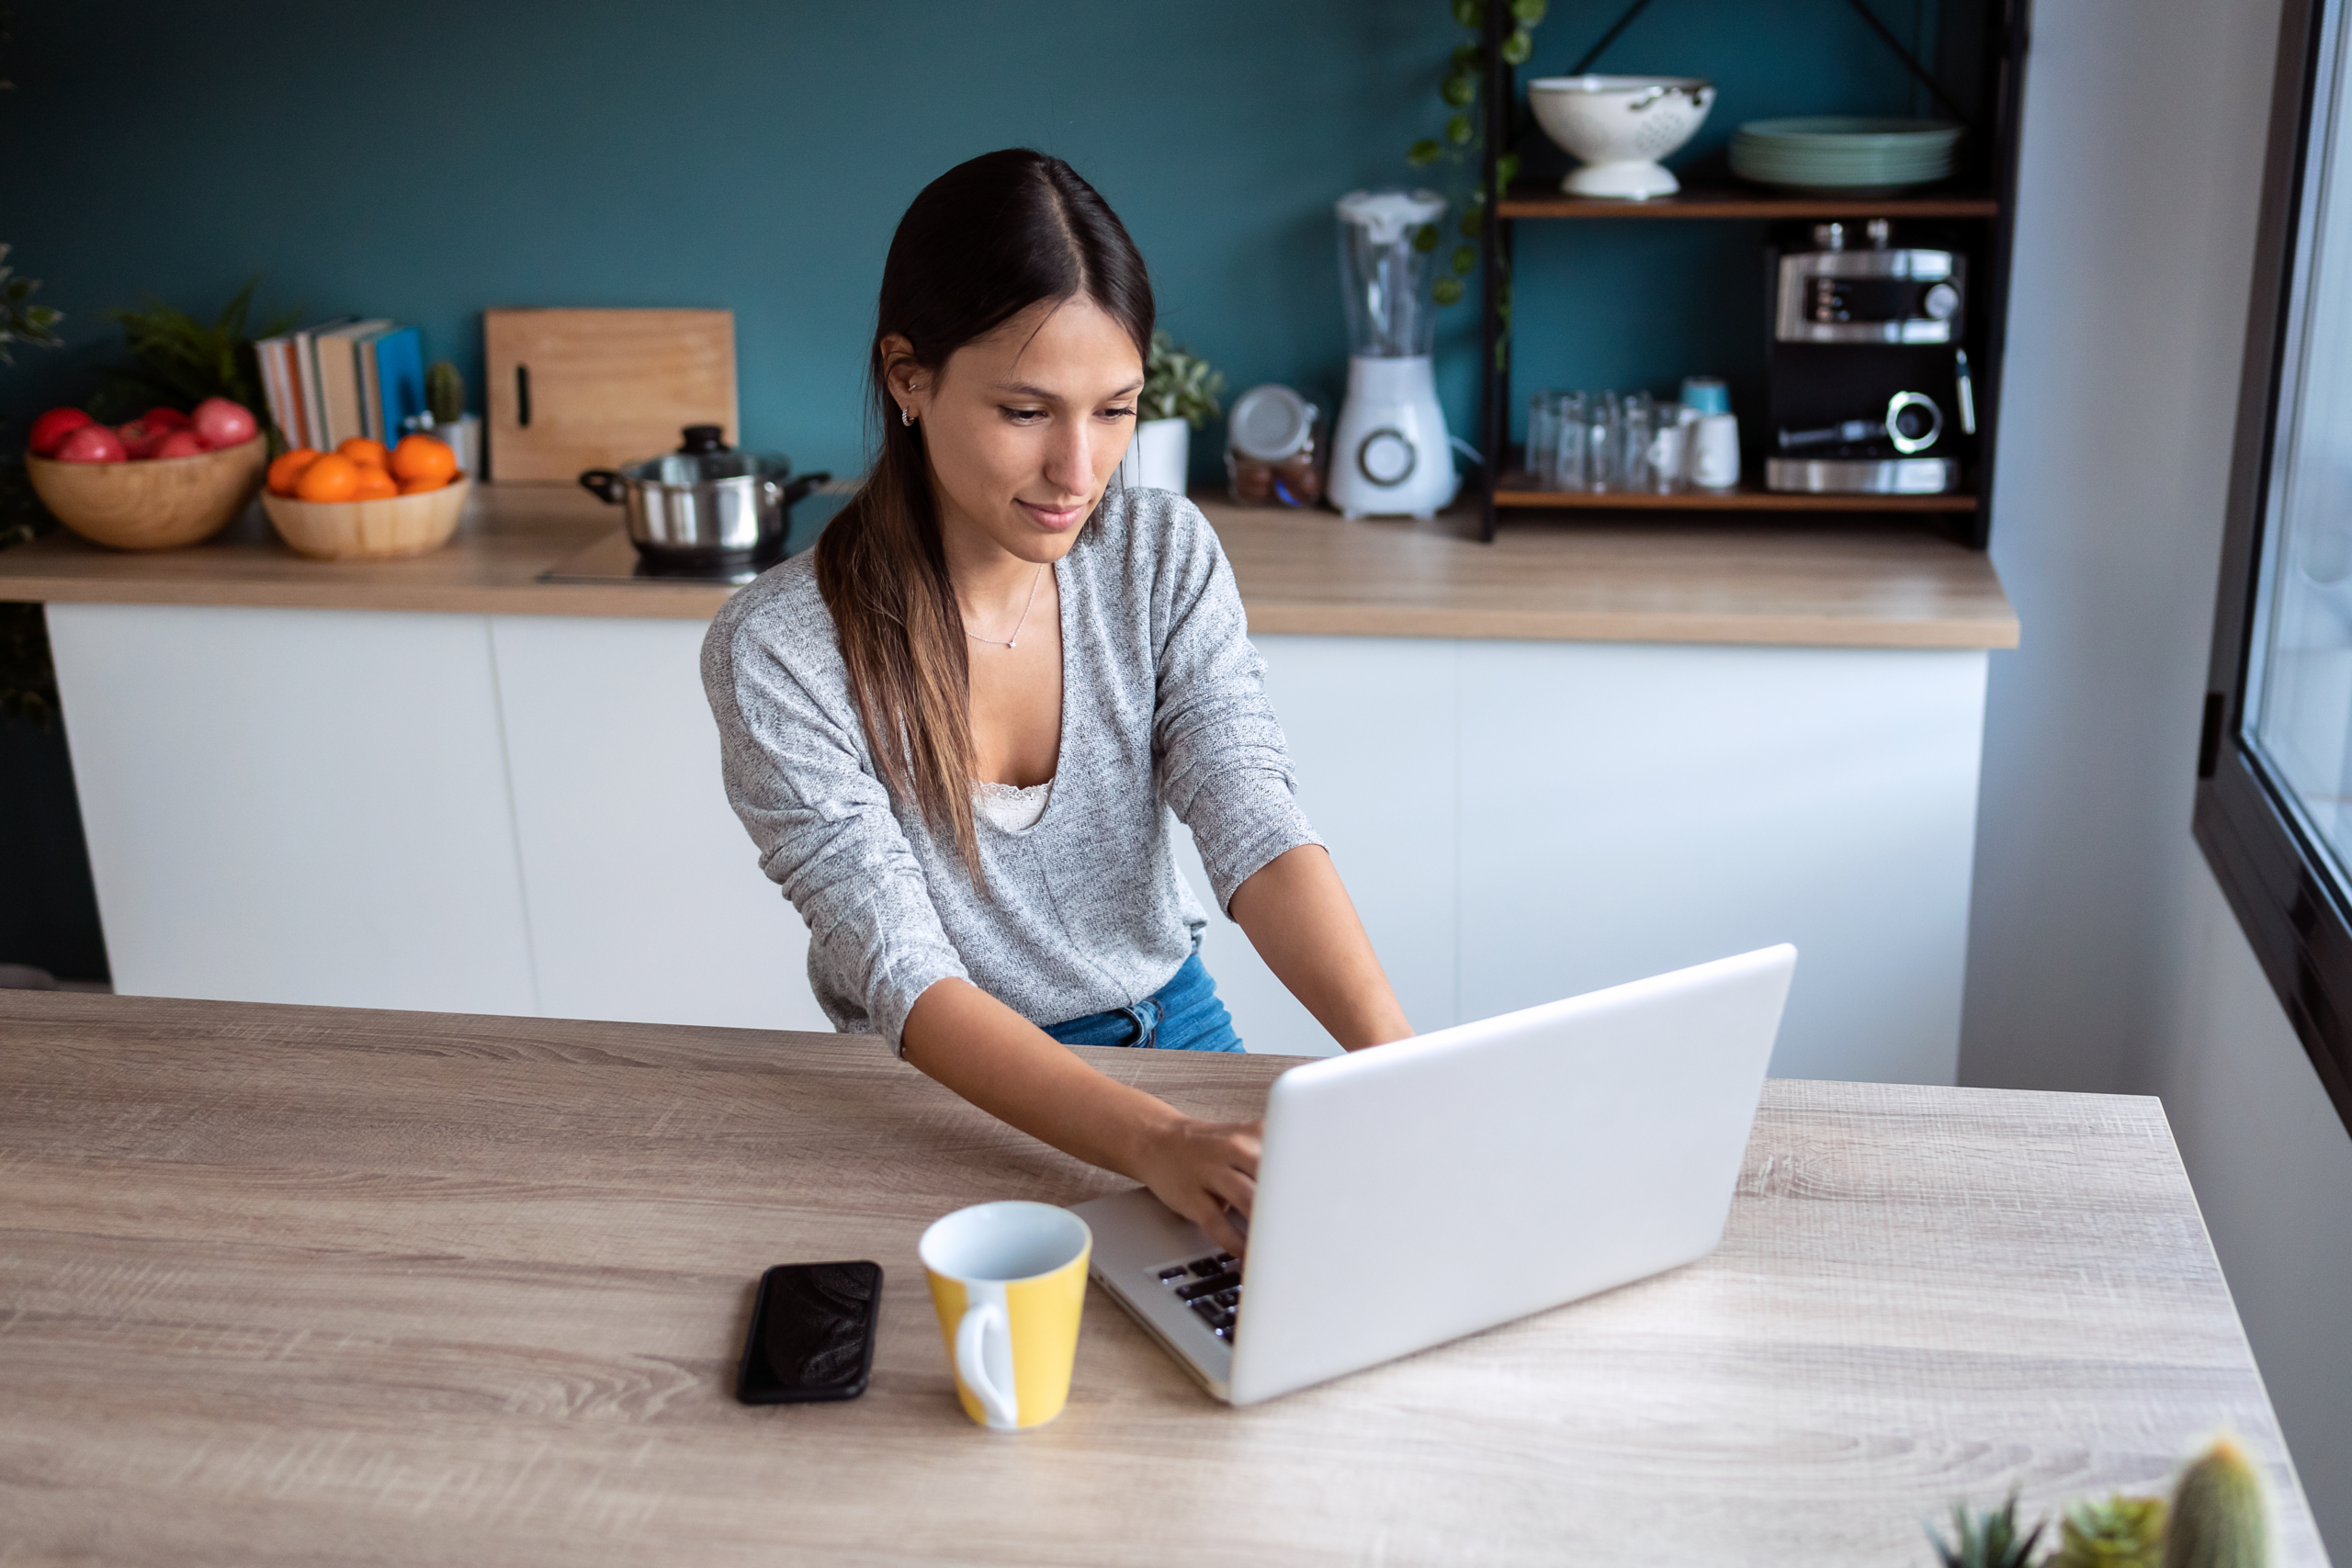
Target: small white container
<point>1715,451</point>
<point>463,437</point>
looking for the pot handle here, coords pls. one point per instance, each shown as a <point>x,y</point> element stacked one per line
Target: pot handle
<point>798,491</point>
<point>605,483</point>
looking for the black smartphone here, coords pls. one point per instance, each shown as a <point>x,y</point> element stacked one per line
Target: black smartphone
<point>813,1333</point>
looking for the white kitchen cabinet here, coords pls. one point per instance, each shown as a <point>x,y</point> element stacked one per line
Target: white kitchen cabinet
<point>296,805</point>
<point>523,814</point>
<point>1520,821</point>
<point>645,894</point>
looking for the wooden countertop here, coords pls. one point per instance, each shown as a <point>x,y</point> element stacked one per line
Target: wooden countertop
<point>1646,579</point>
<point>286,1285</point>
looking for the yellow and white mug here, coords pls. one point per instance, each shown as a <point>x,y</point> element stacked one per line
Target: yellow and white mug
<point>1009,1279</point>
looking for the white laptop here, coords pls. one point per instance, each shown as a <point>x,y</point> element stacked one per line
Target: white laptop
<point>1521,1162</point>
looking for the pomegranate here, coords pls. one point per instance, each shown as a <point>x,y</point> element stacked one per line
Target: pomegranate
<point>162,418</point>
<point>51,429</point>
<point>178,444</point>
<point>138,438</point>
<point>93,444</point>
<point>224,423</point>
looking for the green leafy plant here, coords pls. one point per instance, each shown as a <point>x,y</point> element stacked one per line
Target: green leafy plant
<point>21,321</point>
<point>1987,1540</point>
<point>1177,385</point>
<point>445,392</point>
<point>2121,1532</point>
<point>180,361</point>
<point>2218,1518</point>
<point>1462,148</point>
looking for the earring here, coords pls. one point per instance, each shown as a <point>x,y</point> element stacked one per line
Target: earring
<point>906,414</point>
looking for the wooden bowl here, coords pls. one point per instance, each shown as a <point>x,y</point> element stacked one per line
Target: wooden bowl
<point>157,505</point>
<point>370,530</point>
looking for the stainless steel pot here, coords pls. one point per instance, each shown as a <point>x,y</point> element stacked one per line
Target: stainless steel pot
<point>706,503</point>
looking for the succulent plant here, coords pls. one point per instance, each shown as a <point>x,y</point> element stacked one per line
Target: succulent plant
<point>1987,1540</point>
<point>2219,1518</point>
<point>445,392</point>
<point>2121,1532</point>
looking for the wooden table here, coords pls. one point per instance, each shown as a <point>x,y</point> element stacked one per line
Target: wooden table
<point>293,1285</point>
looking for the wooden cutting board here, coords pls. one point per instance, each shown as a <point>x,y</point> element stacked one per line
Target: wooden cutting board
<point>574,389</point>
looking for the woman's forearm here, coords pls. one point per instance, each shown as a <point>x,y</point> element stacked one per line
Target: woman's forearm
<point>1005,1064</point>
<point>1298,915</point>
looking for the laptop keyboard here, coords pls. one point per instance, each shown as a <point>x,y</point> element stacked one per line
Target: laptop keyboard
<point>1210,1286</point>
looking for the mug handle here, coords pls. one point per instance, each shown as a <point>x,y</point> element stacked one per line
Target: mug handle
<point>971,1366</point>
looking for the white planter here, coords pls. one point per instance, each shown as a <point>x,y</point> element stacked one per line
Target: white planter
<point>1158,456</point>
<point>464,438</point>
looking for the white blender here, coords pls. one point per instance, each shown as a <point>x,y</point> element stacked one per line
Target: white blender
<point>1391,455</point>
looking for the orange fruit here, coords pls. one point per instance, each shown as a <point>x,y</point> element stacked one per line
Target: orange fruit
<point>375,484</point>
<point>422,483</point>
<point>289,467</point>
<point>329,478</point>
<point>422,458</point>
<point>359,449</point>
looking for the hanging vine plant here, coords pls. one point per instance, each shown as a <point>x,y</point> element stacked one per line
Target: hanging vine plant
<point>1462,149</point>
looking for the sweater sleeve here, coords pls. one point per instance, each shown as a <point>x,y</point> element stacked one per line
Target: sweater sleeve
<point>1224,767</point>
<point>796,774</point>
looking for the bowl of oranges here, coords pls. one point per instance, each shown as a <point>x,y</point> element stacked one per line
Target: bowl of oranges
<point>362,501</point>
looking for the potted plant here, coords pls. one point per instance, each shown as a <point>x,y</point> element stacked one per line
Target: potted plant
<point>444,397</point>
<point>1179,394</point>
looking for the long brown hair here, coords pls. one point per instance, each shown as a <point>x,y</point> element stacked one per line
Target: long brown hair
<point>982,242</point>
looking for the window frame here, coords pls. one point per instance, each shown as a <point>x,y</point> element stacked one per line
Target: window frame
<point>2274,876</point>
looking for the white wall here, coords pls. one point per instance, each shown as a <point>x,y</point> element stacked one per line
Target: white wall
<point>2101,955</point>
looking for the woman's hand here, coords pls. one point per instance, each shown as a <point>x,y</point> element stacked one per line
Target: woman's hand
<point>1200,1169</point>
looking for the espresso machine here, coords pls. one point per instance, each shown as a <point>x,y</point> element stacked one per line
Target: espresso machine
<point>1868,379</point>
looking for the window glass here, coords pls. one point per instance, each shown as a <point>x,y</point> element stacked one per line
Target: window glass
<point>2301,685</point>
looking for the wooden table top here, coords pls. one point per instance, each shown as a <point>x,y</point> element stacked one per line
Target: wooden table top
<point>304,1285</point>
<point>1646,579</point>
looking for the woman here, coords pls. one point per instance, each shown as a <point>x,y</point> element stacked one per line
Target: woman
<point>952,727</point>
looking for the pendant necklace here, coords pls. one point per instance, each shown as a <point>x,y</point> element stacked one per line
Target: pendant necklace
<point>1013,641</point>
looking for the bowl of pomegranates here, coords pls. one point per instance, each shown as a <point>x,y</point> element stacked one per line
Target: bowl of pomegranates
<point>163,479</point>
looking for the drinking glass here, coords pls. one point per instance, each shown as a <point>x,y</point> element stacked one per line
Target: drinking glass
<point>1571,463</point>
<point>1638,422</point>
<point>1603,441</point>
<point>1543,440</point>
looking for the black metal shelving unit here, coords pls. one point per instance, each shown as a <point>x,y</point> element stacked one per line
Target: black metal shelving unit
<point>1985,193</point>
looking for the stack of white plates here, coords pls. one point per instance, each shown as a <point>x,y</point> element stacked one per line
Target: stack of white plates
<point>1849,154</point>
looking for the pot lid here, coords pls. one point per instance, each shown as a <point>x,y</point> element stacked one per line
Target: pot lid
<point>1269,422</point>
<point>704,458</point>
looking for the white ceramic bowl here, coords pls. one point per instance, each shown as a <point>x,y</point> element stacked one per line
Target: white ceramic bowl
<point>1621,127</point>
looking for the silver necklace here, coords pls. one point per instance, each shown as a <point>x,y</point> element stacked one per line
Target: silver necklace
<point>1014,640</point>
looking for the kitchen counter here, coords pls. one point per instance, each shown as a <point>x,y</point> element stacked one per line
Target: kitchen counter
<point>312,1285</point>
<point>1643,580</point>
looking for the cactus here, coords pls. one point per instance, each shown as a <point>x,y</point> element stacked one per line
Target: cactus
<point>445,392</point>
<point>1988,1539</point>
<point>2122,1532</point>
<point>2218,1516</point>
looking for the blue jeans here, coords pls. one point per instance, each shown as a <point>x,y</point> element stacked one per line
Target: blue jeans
<point>1182,1015</point>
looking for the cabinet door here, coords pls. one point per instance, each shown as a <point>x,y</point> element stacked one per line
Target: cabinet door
<point>645,898</point>
<point>296,805</point>
<point>1628,809</point>
<point>1371,725</point>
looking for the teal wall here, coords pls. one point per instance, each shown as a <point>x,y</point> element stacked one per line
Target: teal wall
<point>426,161</point>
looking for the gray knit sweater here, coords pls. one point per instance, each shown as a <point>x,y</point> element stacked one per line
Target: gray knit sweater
<point>1163,708</point>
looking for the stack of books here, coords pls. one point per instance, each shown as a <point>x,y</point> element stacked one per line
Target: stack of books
<point>327,384</point>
